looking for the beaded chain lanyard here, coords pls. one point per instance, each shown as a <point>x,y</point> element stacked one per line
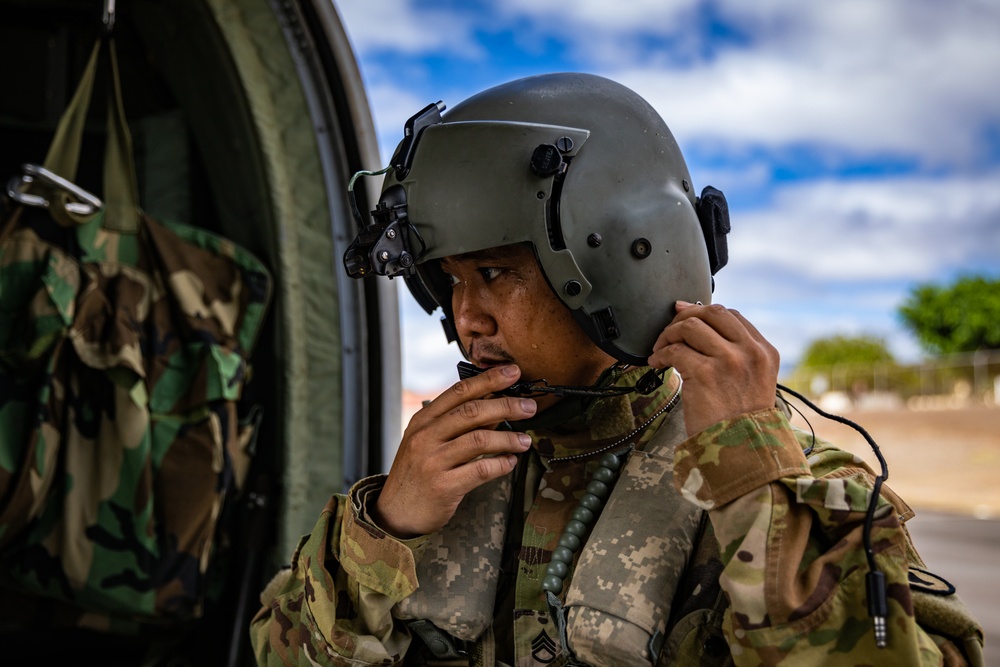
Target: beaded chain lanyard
<point>592,502</point>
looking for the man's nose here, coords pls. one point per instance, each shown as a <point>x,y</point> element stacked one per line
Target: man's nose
<point>473,317</point>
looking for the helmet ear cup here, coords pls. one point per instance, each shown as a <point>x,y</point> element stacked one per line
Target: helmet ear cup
<point>713,214</point>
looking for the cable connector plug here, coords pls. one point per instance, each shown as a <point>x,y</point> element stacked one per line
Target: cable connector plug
<point>649,382</point>
<point>878,606</point>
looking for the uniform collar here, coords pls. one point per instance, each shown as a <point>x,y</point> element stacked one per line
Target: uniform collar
<point>577,425</point>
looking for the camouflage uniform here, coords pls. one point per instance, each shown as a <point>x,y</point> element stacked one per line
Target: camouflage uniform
<point>763,563</point>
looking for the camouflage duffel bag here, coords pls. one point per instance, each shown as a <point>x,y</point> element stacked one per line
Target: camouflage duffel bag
<point>124,347</point>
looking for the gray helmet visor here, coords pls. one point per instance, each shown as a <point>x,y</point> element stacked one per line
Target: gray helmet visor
<point>472,186</point>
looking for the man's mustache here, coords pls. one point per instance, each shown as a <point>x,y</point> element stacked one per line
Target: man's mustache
<point>491,351</point>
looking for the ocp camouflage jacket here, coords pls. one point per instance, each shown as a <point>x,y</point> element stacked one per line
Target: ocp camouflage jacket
<point>775,573</point>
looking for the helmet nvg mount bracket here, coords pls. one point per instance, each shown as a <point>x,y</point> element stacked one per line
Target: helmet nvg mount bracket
<point>579,166</point>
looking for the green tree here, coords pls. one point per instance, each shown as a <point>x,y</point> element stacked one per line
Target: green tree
<point>848,362</point>
<point>962,317</point>
<point>844,350</point>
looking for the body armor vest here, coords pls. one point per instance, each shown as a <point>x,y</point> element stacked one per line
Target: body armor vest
<point>630,600</point>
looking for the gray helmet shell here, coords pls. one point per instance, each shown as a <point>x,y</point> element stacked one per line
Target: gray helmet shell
<point>614,227</point>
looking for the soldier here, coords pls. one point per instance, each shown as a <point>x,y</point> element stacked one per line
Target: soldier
<point>564,503</point>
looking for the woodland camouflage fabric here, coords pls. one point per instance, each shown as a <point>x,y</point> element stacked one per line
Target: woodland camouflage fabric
<point>121,360</point>
<point>789,528</point>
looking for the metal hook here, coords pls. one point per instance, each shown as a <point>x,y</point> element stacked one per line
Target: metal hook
<point>85,204</point>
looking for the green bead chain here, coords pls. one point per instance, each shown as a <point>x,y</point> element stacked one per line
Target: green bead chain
<point>589,507</point>
<point>584,517</point>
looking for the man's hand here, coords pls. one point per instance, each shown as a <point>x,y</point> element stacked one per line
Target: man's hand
<point>728,367</point>
<point>449,448</point>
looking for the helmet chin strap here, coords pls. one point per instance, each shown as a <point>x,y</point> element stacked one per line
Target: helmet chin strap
<point>646,385</point>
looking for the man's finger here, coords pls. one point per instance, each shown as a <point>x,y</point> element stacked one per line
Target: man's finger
<point>696,334</point>
<point>677,355</point>
<point>748,325</point>
<point>476,473</point>
<point>482,443</point>
<point>478,386</point>
<point>481,413</point>
<point>721,319</point>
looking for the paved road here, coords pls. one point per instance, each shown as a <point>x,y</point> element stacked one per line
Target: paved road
<point>966,552</point>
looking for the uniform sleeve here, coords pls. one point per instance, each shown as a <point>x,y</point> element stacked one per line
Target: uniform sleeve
<point>333,605</point>
<point>790,533</point>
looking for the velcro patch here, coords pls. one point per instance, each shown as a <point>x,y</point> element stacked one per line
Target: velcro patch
<point>927,582</point>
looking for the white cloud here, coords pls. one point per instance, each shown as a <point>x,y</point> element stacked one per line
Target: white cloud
<point>391,105</point>
<point>902,76</point>
<point>598,33</point>
<point>924,100</point>
<point>401,26</point>
<point>599,15</point>
<point>909,77</point>
<point>890,229</point>
<point>836,257</point>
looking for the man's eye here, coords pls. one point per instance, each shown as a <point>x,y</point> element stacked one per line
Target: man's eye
<point>490,273</point>
<point>452,280</point>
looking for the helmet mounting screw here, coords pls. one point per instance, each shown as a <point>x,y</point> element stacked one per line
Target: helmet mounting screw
<point>390,233</point>
<point>564,144</point>
<point>686,185</point>
<point>573,287</point>
<point>641,248</point>
<point>594,240</point>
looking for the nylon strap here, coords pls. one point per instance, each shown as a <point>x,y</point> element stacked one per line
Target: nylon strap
<point>121,212</point>
<point>120,191</point>
<point>64,152</point>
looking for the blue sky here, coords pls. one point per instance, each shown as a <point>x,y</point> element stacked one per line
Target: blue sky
<point>858,141</point>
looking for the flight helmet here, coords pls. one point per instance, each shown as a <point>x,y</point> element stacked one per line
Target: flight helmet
<point>579,166</point>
